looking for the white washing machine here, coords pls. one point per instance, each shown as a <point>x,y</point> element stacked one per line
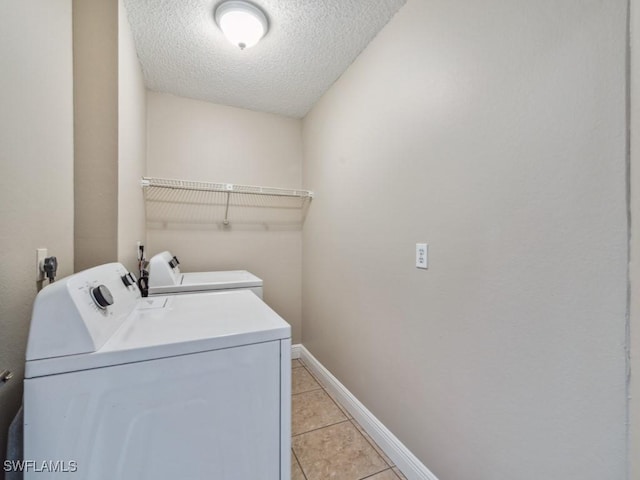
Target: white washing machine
<point>165,278</point>
<point>121,387</point>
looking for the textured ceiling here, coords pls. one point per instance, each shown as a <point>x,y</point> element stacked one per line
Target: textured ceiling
<point>310,43</point>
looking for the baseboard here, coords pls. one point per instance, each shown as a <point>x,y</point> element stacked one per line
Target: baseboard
<point>406,461</point>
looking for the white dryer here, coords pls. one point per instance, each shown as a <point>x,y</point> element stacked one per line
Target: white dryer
<point>166,278</point>
<point>121,387</point>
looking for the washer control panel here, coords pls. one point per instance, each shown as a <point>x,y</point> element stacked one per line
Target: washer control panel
<point>164,269</point>
<point>79,313</point>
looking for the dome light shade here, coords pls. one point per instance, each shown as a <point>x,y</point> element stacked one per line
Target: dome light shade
<point>243,23</point>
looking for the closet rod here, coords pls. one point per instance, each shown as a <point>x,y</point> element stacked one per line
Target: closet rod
<point>223,187</point>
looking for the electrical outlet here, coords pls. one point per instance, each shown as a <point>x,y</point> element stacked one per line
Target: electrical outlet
<point>41,254</point>
<point>422,255</point>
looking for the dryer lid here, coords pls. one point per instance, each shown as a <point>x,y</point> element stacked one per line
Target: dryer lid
<point>205,281</point>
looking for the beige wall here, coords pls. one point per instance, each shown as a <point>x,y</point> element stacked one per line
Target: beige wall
<point>495,132</point>
<point>195,140</point>
<point>36,169</point>
<point>132,148</point>
<point>634,394</point>
<point>95,70</point>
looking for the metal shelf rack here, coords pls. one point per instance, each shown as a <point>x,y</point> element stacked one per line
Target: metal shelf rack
<point>189,201</point>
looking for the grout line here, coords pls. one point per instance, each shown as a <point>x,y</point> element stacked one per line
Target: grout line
<point>342,409</point>
<point>299,464</point>
<point>399,473</point>
<point>394,449</point>
<point>381,453</point>
<point>337,404</point>
<point>349,419</point>
<point>326,392</point>
<point>306,391</point>
<point>320,428</point>
<point>330,424</point>
<point>314,377</point>
<point>369,476</point>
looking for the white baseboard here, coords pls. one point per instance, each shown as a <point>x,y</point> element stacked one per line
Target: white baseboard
<point>406,461</point>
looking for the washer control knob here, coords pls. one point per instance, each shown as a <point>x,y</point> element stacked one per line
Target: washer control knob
<point>128,279</point>
<point>102,296</point>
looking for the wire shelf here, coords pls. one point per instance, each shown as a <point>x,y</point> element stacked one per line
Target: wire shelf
<point>192,202</point>
<point>223,187</point>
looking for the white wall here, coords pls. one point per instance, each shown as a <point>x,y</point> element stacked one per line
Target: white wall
<point>36,169</point>
<point>132,146</point>
<point>95,91</point>
<point>195,140</point>
<point>495,132</point>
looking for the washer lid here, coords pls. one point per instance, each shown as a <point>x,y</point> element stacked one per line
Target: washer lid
<point>163,327</point>
<point>204,281</point>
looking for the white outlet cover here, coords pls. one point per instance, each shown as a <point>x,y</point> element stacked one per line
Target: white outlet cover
<point>422,255</point>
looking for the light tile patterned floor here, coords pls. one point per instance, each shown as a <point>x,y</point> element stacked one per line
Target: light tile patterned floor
<point>327,443</point>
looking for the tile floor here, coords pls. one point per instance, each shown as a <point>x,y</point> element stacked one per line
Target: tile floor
<point>327,443</point>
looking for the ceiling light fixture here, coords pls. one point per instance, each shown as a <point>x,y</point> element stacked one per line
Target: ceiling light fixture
<point>243,23</point>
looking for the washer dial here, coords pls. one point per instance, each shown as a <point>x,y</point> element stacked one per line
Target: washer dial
<point>102,296</point>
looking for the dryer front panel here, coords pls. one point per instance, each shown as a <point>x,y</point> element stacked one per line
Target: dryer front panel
<point>211,415</point>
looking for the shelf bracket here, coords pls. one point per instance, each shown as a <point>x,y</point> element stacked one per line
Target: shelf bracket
<point>225,222</point>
